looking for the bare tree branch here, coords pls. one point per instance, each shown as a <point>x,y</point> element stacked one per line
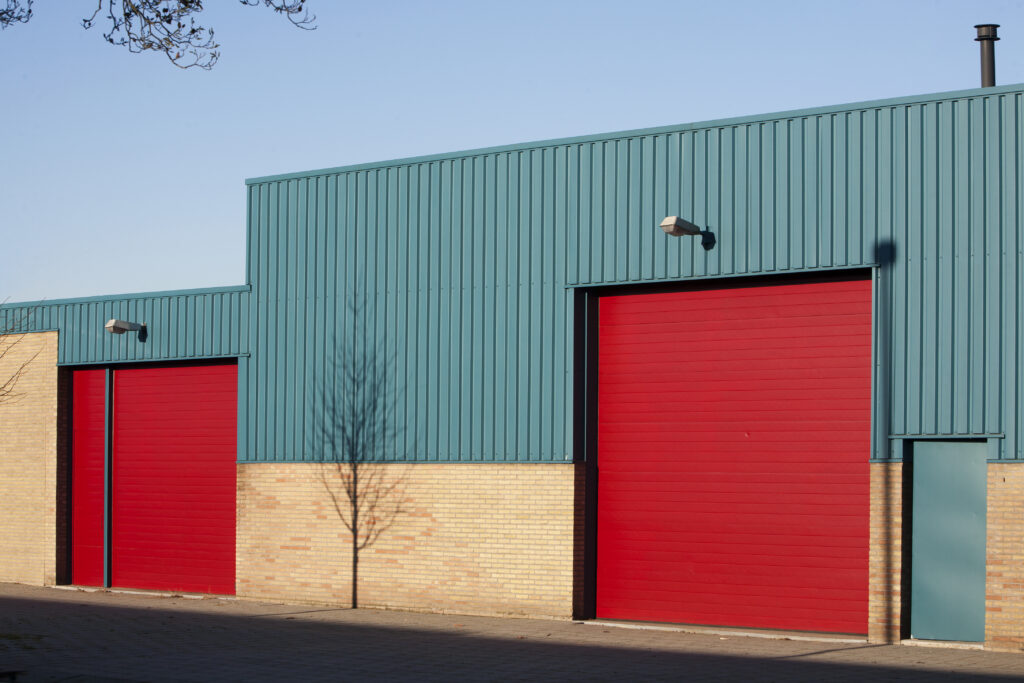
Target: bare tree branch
<point>159,26</point>
<point>166,26</point>
<point>295,11</point>
<point>15,12</point>
<point>12,333</point>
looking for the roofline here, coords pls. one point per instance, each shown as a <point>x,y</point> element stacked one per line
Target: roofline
<point>735,121</point>
<point>122,297</point>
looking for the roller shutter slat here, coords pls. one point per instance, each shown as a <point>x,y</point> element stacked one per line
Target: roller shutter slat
<point>174,478</point>
<point>88,424</point>
<point>733,446</point>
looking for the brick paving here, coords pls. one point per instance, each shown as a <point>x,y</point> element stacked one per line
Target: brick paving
<point>51,634</point>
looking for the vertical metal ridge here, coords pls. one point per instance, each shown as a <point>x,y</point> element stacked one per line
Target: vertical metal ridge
<point>83,340</point>
<point>1014,447</point>
<point>464,264</point>
<point>465,261</point>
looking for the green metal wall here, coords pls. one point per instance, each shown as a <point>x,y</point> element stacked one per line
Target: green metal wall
<point>463,266</point>
<point>181,325</point>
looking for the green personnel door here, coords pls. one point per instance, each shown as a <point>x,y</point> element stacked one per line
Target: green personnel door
<point>948,541</point>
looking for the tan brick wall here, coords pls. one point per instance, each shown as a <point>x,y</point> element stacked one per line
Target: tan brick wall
<point>1004,619</point>
<point>885,555</point>
<point>28,462</point>
<point>1004,589</point>
<point>476,539</point>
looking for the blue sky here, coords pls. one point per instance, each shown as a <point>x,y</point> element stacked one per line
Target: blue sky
<point>120,173</point>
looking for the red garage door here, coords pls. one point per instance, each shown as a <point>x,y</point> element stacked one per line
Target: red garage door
<point>88,424</point>
<point>733,446</point>
<point>172,497</point>
<point>173,488</point>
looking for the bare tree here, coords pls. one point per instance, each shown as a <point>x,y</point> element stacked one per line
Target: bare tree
<point>12,330</point>
<point>356,426</point>
<point>164,26</point>
<point>15,12</point>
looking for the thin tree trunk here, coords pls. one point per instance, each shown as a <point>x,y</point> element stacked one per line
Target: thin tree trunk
<point>355,535</point>
<point>355,574</point>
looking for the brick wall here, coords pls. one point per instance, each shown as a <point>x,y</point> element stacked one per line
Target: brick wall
<point>474,538</point>
<point>1004,600</point>
<point>1004,619</point>
<point>885,554</point>
<point>28,461</point>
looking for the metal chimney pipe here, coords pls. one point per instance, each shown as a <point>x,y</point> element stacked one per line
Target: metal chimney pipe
<point>987,37</point>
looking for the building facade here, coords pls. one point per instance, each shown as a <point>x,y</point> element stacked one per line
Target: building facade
<point>807,418</point>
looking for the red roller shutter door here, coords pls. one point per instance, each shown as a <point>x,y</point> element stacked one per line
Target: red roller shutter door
<point>173,525</point>
<point>733,445</point>
<point>88,424</point>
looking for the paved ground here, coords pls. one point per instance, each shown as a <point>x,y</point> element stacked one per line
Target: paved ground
<point>87,637</point>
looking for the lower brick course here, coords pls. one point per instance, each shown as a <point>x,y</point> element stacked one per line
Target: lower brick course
<point>1004,586</point>
<point>1004,618</point>
<point>885,565</point>
<point>482,538</point>
<point>28,460</point>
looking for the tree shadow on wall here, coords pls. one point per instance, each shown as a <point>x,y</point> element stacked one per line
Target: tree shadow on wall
<point>14,324</point>
<point>355,423</point>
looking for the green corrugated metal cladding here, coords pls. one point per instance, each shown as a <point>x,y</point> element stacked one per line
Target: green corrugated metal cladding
<point>181,325</point>
<point>460,270</point>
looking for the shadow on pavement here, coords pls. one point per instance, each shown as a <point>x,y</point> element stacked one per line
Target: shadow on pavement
<point>77,639</point>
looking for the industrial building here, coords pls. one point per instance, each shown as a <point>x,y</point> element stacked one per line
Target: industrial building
<point>803,412</point>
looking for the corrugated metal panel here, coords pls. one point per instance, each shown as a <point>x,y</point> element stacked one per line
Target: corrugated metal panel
<point>464,299</point>
<point>190,324</point>
<point>462,264</point>
<point>956,286</point>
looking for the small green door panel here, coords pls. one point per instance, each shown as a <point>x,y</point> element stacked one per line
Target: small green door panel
<point>948,541</point>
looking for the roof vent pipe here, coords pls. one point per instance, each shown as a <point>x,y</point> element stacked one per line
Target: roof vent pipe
<point>987,37</point>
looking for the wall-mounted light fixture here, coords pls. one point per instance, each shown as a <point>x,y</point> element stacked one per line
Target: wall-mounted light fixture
<point>676,226</point>
<point>116,326</point>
